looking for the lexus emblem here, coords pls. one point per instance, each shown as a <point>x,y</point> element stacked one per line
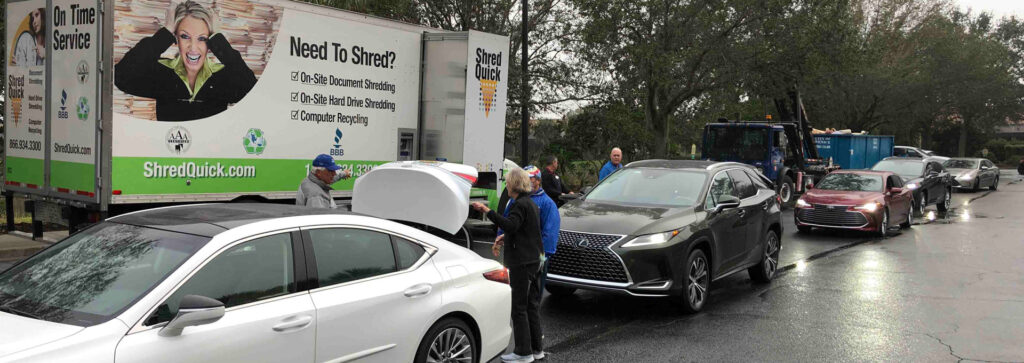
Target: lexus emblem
<point>583,243</point>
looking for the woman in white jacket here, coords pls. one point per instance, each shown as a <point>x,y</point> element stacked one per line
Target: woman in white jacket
<point>30,50</point>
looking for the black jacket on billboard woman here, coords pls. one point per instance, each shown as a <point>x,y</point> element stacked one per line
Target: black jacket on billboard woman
<point>141,72</point>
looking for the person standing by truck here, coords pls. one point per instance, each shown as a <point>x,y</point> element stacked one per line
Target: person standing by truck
<point>614,163</point>
<point>191,86</point>
<point>315,189</point>
<point>551,182</point>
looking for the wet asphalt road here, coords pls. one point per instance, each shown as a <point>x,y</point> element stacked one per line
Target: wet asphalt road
<point>949,289</point>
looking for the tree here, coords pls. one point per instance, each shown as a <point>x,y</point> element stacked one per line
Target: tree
<point>662,55</point>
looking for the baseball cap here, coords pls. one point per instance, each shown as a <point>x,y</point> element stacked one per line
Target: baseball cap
<point>325,161</point>
<point>532,171</point>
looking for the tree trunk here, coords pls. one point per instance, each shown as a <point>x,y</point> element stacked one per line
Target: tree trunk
<point>660,131</point>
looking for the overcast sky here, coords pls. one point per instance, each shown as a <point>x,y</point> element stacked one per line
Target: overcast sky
<point>999,8</point>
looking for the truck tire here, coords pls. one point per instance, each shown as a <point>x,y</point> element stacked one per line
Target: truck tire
<point>787,191</point>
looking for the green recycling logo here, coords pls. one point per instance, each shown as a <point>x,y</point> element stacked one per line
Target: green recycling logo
<point>82,109</point>
<point>254,142</point>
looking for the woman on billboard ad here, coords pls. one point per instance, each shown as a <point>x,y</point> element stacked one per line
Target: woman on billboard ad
<point>30,49</point>
<point>190,86</point>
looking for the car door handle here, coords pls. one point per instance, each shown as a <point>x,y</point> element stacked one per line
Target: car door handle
<point>293,323</point>
<point>742,213</point>
<point>418,290</point>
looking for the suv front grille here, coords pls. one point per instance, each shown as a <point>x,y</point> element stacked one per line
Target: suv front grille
<point>586,256</point>
<point>837,216</point>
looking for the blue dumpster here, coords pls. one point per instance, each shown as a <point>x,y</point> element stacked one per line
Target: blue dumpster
<point>854,151</point>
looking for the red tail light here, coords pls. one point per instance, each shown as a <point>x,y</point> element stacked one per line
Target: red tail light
<point>499,275</point>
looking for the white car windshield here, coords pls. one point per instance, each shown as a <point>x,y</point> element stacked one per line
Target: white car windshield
<point>650,187</point>
<point>94,275</point>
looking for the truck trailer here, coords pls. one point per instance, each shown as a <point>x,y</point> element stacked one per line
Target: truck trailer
<point>112,107</point>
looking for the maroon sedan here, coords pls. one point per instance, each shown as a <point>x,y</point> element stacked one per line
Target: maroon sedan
<point>856,199</point>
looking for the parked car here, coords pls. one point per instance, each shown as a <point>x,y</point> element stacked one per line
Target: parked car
<point>253,283</point>
<point>973,173</point>
<point>856,200</point>
<point>932,155</point>
<point>909,152</point>
<point>929,182</point>
<point>668,228</point>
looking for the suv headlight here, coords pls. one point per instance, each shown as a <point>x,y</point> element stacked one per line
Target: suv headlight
<point>651,239</point>
<point>912,186</point>
<point>800,203</point>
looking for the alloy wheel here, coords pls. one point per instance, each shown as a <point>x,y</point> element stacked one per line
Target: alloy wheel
<point>948,201</point>
<point>771,256</point>
<point>450,346</point>
<point>698,284</point>
<point>921,204</point>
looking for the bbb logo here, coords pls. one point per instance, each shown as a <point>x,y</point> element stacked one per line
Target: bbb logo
<point>62,113</point>
<point>337,150</point>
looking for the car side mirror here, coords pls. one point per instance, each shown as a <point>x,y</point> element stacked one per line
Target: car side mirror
<point>727,202</point>
<point>568,197</point>
<point>193,310</point>
<point>809,186</point>
<point>984,167</point>
<point>933,172</point>
<point>896,190</point>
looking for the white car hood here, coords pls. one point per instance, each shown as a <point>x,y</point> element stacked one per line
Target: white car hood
<point>431,193</point>
<point>19,333</point>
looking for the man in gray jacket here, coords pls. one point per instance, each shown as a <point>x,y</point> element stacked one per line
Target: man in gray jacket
<point>315,189</point>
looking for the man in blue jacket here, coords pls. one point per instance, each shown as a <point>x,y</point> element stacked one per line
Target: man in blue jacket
<point>615,163</point>
<point>550,222</point>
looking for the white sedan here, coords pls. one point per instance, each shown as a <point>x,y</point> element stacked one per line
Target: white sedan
<point>253,283</point>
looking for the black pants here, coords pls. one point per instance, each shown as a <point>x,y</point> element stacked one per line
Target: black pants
<point>526,308</point>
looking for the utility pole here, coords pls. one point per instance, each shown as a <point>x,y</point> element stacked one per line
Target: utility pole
<point>524,137</point>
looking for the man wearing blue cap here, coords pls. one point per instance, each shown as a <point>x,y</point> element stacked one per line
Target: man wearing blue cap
<point>315,190</point>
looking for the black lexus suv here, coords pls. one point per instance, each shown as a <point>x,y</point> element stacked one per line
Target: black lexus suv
<point>668,228</point>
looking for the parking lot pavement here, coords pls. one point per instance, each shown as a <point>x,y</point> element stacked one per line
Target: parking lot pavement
<point>949,289</point>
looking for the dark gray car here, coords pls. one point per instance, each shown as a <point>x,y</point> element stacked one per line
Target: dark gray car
<point>667,228</point>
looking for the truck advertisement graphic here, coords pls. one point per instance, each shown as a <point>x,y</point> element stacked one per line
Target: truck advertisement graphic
<point>245,106</point>
<point>168,101</point>
<point>26,93</point>
<point>74,96</point>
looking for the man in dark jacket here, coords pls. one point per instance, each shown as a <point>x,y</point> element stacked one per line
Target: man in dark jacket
<point>551,182</point>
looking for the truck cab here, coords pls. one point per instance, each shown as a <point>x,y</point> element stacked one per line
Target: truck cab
<point>777,149</point>
<point>758,144</point>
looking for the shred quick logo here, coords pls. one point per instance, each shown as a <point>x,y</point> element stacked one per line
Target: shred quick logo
<point>15,92</point>
<point>488,72</point>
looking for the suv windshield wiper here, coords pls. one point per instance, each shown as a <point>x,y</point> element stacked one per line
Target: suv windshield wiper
<point>8,309</point>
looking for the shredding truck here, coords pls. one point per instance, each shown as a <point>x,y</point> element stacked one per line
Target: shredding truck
<point>112,106</point>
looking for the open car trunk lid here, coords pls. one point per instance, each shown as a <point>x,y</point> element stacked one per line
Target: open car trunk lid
<point>431,193</point>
